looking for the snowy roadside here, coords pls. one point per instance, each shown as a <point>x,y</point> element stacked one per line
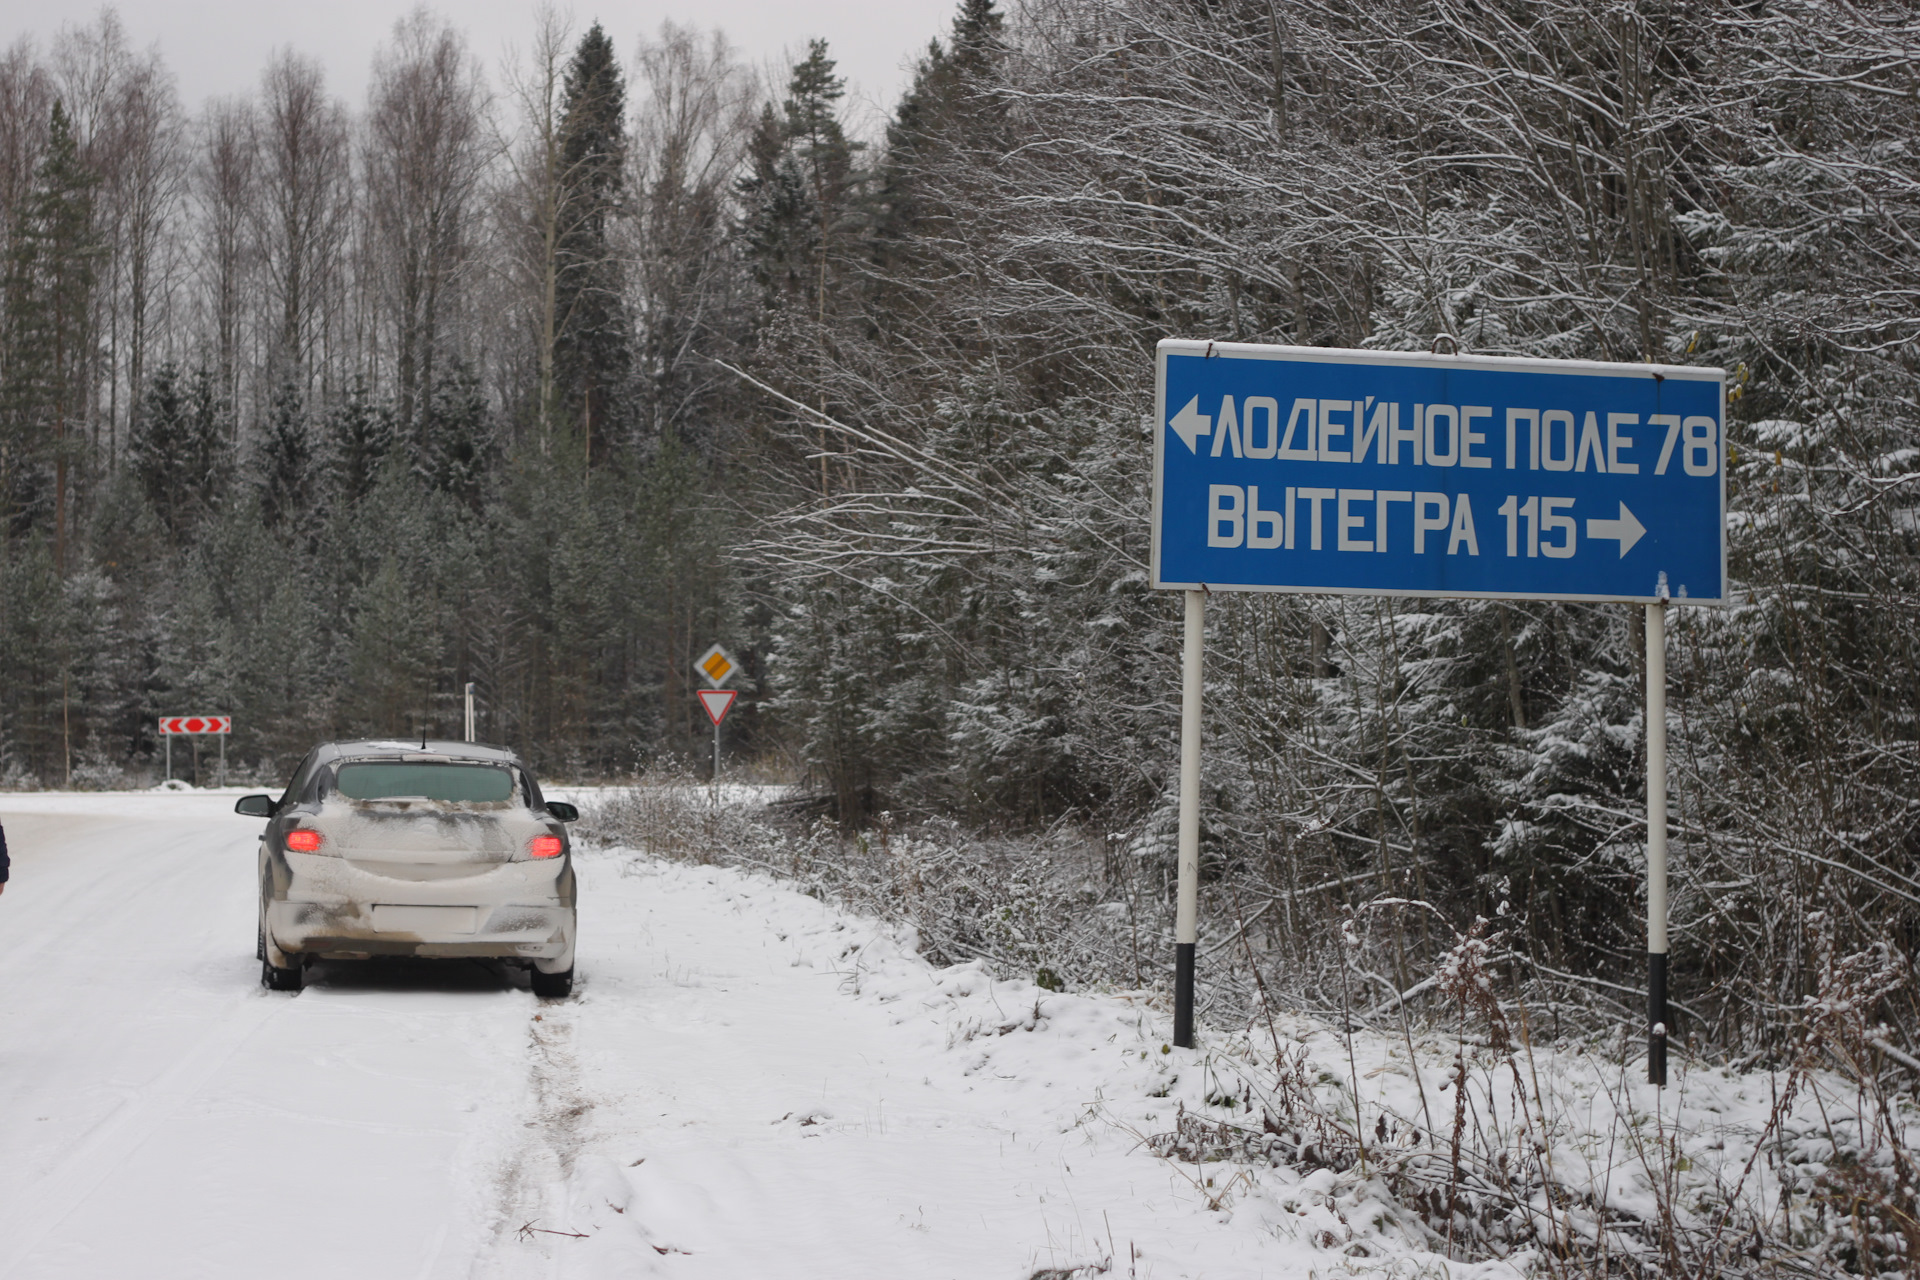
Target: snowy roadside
<point>1478,1140</point>
<point>753,1083</point>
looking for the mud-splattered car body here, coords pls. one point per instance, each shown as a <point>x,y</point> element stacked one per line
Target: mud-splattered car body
<point>353,864</point>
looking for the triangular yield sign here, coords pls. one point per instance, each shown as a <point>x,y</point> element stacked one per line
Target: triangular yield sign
<point>716,701</point>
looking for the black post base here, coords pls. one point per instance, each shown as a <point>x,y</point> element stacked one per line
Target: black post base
<point>1656,1017</point>
<point>1183,994</point>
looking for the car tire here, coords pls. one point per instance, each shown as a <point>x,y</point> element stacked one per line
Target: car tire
<point>553,986</point>
<point>276,979</point>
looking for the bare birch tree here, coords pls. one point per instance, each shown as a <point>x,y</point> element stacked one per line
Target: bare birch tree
<point>142,195</point>
<point>425,155</point>
<point>224,189</point>
<point>302,214</point>
<point>26,95</point>
<point>533,206</point>
<point>693,115</point>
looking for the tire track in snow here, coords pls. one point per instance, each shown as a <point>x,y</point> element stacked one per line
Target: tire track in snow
<point>529,1186</point>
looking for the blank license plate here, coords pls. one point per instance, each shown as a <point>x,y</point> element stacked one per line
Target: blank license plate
<point>398,919</point>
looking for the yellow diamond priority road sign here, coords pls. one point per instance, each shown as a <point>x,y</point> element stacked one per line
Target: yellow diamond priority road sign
<point>716,666</point>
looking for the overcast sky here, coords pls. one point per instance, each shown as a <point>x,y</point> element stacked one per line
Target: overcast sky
<point>217,47</point>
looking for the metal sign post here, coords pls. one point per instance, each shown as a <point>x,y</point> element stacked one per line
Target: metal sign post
<point>192,726</point>
<point>1657,843</point>
<point>717,666</point>
<point>1186,920</point>
<point>717,702</point>
<point>1308,469</point>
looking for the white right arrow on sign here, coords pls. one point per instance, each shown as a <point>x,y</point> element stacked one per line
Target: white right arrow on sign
<point>1627,529</point>
<point>1190,424</point>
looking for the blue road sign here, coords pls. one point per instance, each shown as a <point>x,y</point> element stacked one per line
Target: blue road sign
<point>1393,473</point>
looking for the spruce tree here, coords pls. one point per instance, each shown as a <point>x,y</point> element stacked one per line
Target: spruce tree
<point>284,463</point>
<point>360,435</point>
<point>178,447</point>
<point>209,441</point>
<point>779,229</point>
<point>593,345</point>
<point>51,269</point>
<point>946,104</point>
<point>460,448</point>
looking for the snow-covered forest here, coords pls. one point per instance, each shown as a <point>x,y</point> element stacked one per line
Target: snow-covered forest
<point>547,375</point>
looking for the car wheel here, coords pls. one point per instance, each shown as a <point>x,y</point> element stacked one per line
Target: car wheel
<point>553,986</point>
<point>275,979</point>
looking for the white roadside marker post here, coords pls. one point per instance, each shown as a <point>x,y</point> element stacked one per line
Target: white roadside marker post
<point>1187,913</point>
<point>469,711</point>
<point>1657,843</point>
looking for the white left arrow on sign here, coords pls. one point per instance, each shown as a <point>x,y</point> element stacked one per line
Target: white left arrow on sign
<point>1627,529</point>
<point>1190,424</point>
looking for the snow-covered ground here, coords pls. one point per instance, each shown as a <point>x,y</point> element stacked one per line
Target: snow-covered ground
<point>746,1083</point>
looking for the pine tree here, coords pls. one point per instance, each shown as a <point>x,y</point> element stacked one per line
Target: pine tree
<point>593,346</point>
<point>800,190</point>
<point>820,148</point>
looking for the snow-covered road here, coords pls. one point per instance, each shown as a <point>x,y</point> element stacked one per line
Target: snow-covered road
<point>745,1084</point>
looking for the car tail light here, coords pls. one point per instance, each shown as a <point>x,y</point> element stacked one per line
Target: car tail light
<point>303,841</point>
<point>545,847</point>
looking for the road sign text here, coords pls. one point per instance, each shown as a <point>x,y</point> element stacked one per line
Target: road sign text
<point>1307,469</point>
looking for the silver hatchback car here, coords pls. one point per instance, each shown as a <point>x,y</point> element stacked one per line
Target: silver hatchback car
<point>414,849</point>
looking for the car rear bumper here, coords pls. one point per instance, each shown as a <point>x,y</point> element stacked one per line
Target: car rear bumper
<point>335,908</point>
<point>356,930</point>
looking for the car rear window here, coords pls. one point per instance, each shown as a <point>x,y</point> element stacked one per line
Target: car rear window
<point>475,783</point>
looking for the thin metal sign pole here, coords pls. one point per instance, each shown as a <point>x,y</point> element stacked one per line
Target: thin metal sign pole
<point>169,738</point>
<point>223,759</point>
<point>1187,914</point>
<point>1657,843</point>
<point>716,753</point>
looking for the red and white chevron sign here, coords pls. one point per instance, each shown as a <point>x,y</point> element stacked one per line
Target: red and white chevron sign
<point>196,724</point>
